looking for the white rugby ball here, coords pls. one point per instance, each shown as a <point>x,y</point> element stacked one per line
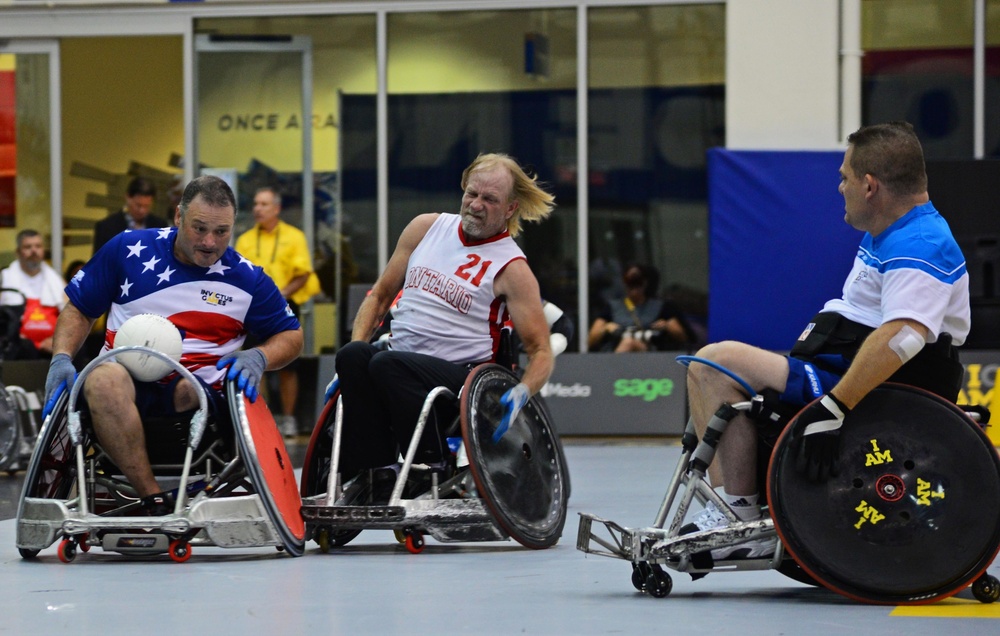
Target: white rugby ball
<point>155,332</point>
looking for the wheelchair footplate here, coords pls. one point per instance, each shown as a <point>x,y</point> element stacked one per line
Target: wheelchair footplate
<point>452,517</point>
<point>241,500</point>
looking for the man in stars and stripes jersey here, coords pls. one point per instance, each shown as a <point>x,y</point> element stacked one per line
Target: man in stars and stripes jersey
<point>462,277</point>
<point>190,275</point>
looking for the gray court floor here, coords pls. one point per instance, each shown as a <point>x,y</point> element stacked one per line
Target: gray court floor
<point>374,586</point>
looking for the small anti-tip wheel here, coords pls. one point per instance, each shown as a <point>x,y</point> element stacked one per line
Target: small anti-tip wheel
<point>323,539</point>
<point>399,534</point>
<point>639,573</point>
<point>414,542</point>
<point>658,583</point>
<point>28,553</point>
<point>67,550</point>
<point>179,550</point>
<point>986,589</point>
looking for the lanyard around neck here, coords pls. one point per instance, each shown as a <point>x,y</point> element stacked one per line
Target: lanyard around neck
<point>277,235</point>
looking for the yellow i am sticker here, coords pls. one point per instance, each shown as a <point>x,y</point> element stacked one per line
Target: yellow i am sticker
<point>868,513</point>
<point>877,456</point>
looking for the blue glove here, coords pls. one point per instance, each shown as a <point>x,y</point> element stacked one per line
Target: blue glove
<point>512,402</point>
<point>819,446</point>
<point>331,389</point>
<point>249,367</point>
<point>62,373</point>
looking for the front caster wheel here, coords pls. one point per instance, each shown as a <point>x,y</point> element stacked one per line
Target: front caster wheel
<point>414,542</point>
<point>67,550</point>
<point>323,539</point>
<point>639,573</point>
<point>658,582</point>
<point>179,550</point>
<point>986,589</point>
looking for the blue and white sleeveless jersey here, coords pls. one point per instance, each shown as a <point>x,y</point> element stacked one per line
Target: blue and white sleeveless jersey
<point>213,307</point>
<point>915,270</point>
<point>448,308</point>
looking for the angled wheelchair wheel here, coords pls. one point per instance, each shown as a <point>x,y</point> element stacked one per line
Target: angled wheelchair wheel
<point>316,473</point>
<point>910,517</point>
<point>268,467</point>
<point>51,472</point>
<point>316,466</point>
<point>10,425</point>
<point>522,479</point>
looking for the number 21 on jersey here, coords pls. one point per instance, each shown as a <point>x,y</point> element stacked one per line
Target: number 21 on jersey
<point>465,270</point>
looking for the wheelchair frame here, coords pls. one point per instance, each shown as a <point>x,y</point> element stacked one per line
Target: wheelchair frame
<point>447,520</point>
<point>467,506</point>
<point>651,548</point>
<point>212,516</point>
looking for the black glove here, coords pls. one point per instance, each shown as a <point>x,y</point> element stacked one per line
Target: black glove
<point>819,445</point>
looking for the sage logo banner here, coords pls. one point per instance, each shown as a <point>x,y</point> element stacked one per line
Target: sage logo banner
<point>606,394</point>
<point>648,390</point>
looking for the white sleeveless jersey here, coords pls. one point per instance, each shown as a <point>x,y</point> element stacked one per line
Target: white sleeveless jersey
<point>448,308</point>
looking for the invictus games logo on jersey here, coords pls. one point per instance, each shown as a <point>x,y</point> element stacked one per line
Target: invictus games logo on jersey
<point>215,298</point>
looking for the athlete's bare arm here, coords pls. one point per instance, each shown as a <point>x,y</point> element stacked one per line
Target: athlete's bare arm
<point>375,306</point>
<point>524,302</point>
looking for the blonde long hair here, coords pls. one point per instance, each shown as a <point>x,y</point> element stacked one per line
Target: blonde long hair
<point>534,203</point>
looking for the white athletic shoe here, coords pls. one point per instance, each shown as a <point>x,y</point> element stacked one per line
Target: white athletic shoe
<point>289,427</point>
<point>711,517</point>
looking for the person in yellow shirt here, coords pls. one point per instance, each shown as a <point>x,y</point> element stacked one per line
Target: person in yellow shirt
<point>281,250</point>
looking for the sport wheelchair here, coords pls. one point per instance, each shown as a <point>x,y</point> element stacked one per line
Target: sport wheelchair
<point>911,517</point>
<point>518,487</point>
<point>234,484</point>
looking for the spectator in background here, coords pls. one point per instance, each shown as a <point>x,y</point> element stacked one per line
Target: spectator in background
<point>41,294</point>
<point>640,321</point>
<point>139,197</point>
<point>281,250</point>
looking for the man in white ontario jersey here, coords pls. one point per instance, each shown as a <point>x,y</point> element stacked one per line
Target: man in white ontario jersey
<point>462,277</point>
<point>214,297</point>
<point>904,304</point>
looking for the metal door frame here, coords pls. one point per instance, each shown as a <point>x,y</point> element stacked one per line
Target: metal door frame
<point>291,44</point>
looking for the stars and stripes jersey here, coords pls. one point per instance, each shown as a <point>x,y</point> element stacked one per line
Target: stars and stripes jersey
<point>213,307</point>
<point>914,269</point>
<point>448,308</point>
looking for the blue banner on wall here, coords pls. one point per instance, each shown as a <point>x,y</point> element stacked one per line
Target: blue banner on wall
<point>778,244</point>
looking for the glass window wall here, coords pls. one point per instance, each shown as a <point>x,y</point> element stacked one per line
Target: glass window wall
<point>462,83</point>
<point>918,67</point>
<point>656,105</point>
<point>25,157</point>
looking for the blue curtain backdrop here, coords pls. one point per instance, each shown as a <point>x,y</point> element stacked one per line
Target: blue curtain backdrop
<point>778,244</point>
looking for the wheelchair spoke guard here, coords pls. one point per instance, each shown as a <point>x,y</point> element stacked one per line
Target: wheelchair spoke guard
<point>523,479</point>
<point>911,516</point>
<point>269,467</point>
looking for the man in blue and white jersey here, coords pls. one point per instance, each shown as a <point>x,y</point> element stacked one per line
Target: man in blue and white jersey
<point>904,305</point>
